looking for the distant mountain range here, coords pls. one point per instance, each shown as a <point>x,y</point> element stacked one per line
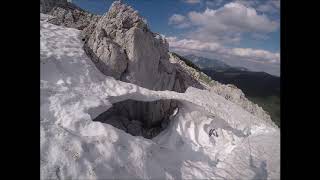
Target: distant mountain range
<point>213,64</point>
<point>260,87</point>
<point>252,83</point>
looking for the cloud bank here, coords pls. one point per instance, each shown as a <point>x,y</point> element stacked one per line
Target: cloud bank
<point>211,32</point>
<point>222,52</point>
<point>226,24</point>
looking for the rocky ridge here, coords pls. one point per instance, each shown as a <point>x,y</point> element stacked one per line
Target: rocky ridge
<point>47,5</point>
<point>67,14</point>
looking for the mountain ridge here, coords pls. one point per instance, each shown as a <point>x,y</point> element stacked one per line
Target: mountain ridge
<point>215,64</point>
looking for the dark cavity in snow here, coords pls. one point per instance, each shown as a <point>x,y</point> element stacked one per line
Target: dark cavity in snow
<point>139,118</point>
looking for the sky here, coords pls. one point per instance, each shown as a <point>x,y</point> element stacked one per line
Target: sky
<point>238,32</point>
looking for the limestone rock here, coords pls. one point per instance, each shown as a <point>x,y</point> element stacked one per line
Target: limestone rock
<point>147,53</point>
<point>144,54</point>
<point>186,75</point>
<point>69,15</point>
<point>109,58</point>
<point>47,5</point>
<point>45,17</point>
<point>87,31</point>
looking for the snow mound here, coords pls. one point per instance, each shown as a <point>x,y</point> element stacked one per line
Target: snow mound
<point>74,91</point>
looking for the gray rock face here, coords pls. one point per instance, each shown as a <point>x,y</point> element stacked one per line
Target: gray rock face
<point>122,46</point>
<point>186,76</point>
<point>47,5</point>
<point>147,61</point>
<point>87,31</point>
<point>67,14</point>
<point>108,57</point>
<point>72,16</point>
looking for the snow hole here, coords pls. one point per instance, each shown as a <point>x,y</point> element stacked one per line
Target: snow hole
<point>140,118</point>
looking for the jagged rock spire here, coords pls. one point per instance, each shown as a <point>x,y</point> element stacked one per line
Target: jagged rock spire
<point>147,57</point>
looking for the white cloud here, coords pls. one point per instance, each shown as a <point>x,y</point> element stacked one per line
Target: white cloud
<point>271,7</point>
<point>268,6</point>
<point>276,3</point>
<point>256,55</point>
<point>225,24</point>
<point>210,30</point>
<point>233,17</point>
<point>192,44</point>
<point>221,52</point>
<point>178,21</point>
<point>248,3</point>
<point>192,1</point>
<point>265,8</point>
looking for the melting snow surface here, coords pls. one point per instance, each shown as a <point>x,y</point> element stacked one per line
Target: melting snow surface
<point>73,92</point>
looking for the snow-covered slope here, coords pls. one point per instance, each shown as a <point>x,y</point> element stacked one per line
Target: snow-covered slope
<point>74,91</point>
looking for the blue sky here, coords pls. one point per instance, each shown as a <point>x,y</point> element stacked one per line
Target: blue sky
<point>246,30</point>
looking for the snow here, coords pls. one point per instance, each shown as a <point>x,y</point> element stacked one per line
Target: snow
<point>73,92</point>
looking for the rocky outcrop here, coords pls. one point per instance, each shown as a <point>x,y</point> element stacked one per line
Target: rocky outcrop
<point>47,5</point>
<point>147,61</point>
<point>72,16</point>
<point>144,54</point>
<point>67,14</point>
<point>109,58</point>
<point>186,75</point>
